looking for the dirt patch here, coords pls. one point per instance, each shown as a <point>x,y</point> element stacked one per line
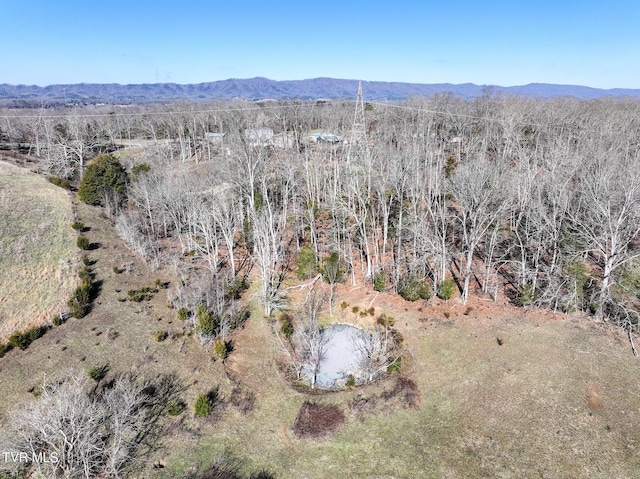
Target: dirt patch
<point>406,391</point>
<point>316,421</point>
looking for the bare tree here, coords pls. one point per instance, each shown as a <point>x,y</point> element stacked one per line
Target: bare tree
<point>90,432</point>
<point>130,230</point>
<point>309,339</point>
<point>378,349</point>
<point>479,188</point>
<point>268,255</point>
<point>607,213</point>
<point>332,274</point>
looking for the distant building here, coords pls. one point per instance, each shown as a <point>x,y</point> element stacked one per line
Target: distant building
<point>214,138</point>
<point>323,137</point>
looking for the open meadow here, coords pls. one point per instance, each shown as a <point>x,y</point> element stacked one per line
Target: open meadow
<point>37,249</point>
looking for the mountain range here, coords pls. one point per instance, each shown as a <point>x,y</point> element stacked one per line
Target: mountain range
<point>263,88</point>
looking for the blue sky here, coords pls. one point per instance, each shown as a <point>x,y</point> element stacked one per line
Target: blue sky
<point>593,43</point>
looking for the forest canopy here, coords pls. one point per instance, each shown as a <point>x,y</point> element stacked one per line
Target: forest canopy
<point>538,200</point>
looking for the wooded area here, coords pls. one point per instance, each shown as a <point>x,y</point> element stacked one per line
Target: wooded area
<point>538,200</point>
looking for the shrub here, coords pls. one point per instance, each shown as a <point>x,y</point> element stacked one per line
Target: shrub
<point>526,294</point>
<point>355,310</point>
<point>159,284</point>
<point>350,382</point>
<point>395,366</point>
<point>138,170</point>
<point>318,421</point>
<point>379,281</point>
<point>264,474</point>
<point>385,321</point>
<point>79,302</point>
<point>85,260</point>
<point>220,349</point>
<point>83,292</point>
<point>143,294</point>
<point>205,403</point>
<point>286,325</point>
<point>103,177</point>
<point>239,316</point>
<point>579,276</point>
<point>446,289</point>
<point>183,314</point>
<point>97,373</point>
<point>83,243</point>
<point>77,225</point>
<point>62,183</point>
<point>36,391</point>
<point>207,323</point>
<point>450,166</point>
<point>176,408</point>
<point>84,275</point>
<point>22,339</point>
<point>412,289</point>
<point>5,348</point>
<point>344,305</point>
<point>307,263</point>
<point>160,335</point>
<point>81,298</point>
<point>236,288</point>
<point>77,310</point>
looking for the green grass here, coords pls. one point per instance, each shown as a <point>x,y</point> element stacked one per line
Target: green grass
<point>37,249</point>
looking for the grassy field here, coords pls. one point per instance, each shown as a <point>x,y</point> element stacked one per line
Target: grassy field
<point>556,399</point>
<point>37,249</point>
<point>559,398</point>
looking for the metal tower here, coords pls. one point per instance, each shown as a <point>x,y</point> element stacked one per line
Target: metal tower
<point>358,130</point>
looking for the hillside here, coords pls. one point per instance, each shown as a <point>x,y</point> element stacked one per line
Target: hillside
<point>37,249</point>
<point>263,88</point>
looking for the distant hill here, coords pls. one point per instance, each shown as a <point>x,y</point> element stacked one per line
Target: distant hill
<point>263,88</point>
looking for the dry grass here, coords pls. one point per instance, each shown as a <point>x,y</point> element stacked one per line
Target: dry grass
<point>558,398</point>
<point>37,249</point>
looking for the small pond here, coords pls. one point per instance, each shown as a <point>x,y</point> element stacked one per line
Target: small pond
<point>341,357</point>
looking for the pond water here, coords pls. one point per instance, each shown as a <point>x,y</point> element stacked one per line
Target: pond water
<point>341,355</point>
